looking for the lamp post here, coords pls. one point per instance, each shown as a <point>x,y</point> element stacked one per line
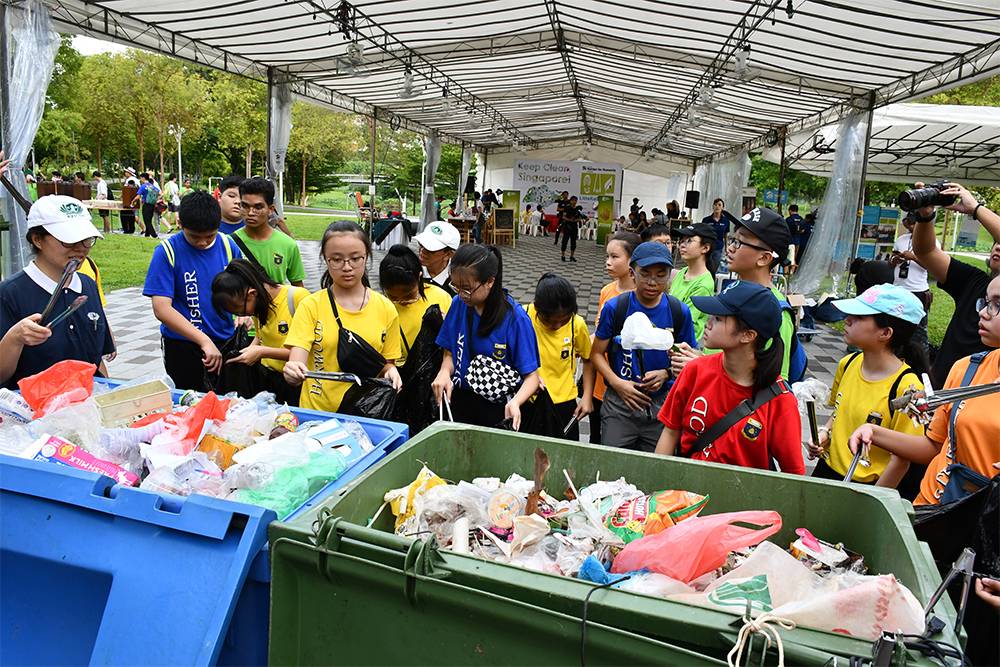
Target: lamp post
<point>177,132</point>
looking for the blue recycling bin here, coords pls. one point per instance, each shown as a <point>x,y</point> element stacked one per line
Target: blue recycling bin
<point>229,625</point>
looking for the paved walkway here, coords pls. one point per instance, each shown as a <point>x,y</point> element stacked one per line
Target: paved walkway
<point>137,331</point>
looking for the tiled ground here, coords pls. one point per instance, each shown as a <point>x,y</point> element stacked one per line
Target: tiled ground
<point>137,331</point>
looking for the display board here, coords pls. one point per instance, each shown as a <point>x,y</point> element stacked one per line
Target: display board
<point>878,232</point>
<point>544,181</point>
<point>503,219</point>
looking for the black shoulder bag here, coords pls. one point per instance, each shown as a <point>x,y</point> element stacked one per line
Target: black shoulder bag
<point>746,408</point>
<point>354,354</point>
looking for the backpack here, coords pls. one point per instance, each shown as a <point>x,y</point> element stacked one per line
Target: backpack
<point>894,390</point>
<point>621,312</point>
<point>152,194</point>
<point>797,359</point>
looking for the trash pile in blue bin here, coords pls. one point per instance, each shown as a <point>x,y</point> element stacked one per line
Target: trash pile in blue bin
<point>248,450</point>
<point>612,533</point>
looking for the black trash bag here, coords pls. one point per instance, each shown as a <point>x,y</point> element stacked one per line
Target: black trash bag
<point>540,417</point>
<point>951,527</point>
<point>246,381</point>
<point>374,398</point>
<point>415,404</point>
<point>986,540</point>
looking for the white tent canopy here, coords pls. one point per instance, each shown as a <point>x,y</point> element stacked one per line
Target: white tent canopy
<point>684,80</point>
<point>909,143</point>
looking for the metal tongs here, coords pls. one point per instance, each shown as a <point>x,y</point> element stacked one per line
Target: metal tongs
<point>442,406</point>
<point>334,377</point>
<point>919,405</point>
<point>71,267</point>
<point>73,307</point>
<point>961,568</point>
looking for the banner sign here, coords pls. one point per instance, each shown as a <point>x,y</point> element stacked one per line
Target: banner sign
<point>544,181</point>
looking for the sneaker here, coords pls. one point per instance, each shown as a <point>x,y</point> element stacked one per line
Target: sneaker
<point>564,258</point>
<point>572,259</point>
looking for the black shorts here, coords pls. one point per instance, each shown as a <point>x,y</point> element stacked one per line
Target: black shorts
<point>172,207</point>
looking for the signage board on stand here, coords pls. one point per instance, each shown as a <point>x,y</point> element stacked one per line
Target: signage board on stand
<point>544,181</point>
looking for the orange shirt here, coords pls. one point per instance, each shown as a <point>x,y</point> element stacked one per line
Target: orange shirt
<point>607,292</point>
<point>977,430</point>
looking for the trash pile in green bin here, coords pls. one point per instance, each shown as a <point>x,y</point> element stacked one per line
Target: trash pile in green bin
<point>251,451</point>
<point>657,543</point>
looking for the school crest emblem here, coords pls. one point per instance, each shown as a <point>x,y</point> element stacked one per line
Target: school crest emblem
<point>752,429</point>
<point>278,259</point>
<point>565,353</point>
<point>874,418</point>
<point>499,351</point>
<point>283,328</point>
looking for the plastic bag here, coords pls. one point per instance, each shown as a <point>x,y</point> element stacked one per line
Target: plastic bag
<point>357,431</point>
<point>191,423</point>
<point>66,382</point>
<point>638,333</point>
<point>121,446</point>
<point>415,404</point>
<point>293,486</point>
<point>540,417</point>
<point>697,546</point>
<point>649,515</point>
<point>79,423</point>
<point>242,379</point>
<point>374,398</point>
<point>445,503</point>
<point>403,501</point>
<point>810,390</point>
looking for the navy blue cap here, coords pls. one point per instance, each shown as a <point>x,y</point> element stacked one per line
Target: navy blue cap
<point>652,252</point>
<point>754,304</point>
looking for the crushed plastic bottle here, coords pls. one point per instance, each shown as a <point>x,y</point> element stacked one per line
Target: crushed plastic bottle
<point>252,477</point>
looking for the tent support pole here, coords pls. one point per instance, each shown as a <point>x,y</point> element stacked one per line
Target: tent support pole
<point>371,184</point>
<point>10,264</point>
<point>694,168</point>
<point>267,137</point>
<point>864,175</point>
<point>781,168</point>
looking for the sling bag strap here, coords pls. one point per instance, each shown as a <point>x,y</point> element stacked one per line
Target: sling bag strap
<point>894,390</point>
<point>247,255</point>
<point>746,408</point>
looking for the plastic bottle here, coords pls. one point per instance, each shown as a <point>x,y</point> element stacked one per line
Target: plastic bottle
<point>252,477</point>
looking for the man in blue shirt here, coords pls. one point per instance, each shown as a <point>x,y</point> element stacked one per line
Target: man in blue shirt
<point>794,222</point>
<point>229,204</point>
<point>720,223</point>
<point>638,385</point>
<point>180,284</point>
<point>807,229</point>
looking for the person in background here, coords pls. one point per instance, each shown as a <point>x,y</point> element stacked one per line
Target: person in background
<point>743,322</point>
<point>673,210</point>
<point>313,339</point>
<point>635,207</point>
<point>538,222</point>
<point>230,203</point>
<point>186,188</point>
<point>561,204</point>
<point>271,248</point>
<point>172,196</point>
<point>659,234</point>
<point>437,208</point>
<point>807,229</point>
<point>402,280</point>
<point>437,244</point>
<point>695,243</point>
<point>79,177</point>
<point>484,321</point>
<point>526,220</point>
<point>910,275</point>
<point>147,197</point>
<point>720,224</point>
<point>127,215</point>
<point>244,290</point>
<point>562,338</point>
<point>180,273</point>
<point>618,257</point>
<point>571,228</point>
<point>59,229</point>
<point>659,217</point>
<point>102,195</point>
<point>794,222</point>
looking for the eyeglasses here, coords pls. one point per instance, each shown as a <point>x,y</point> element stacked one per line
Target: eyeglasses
<point>256,208</point>
<point>405,301</point>
<point>651,280</point>
<point>87,243</point>
<point>992,307</point>
<point>467,293</point>
<point>685,240</point>
<point>338,262</point>
<point>737,244</point>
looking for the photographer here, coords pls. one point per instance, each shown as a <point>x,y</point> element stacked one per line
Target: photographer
<point>912,276</point>
<point>963,282</point>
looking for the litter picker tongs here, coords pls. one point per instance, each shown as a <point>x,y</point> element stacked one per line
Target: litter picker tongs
<point>71,267</point>
<point>443,406</point>
<point>963,567</point>
<point>334,377</point>
<point>919,405</point>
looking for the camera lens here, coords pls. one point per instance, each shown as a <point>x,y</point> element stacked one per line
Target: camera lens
<point>911,200</point>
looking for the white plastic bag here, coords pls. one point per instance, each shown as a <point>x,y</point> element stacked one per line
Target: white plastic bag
<point>638,333</point>
<point>810,390</point>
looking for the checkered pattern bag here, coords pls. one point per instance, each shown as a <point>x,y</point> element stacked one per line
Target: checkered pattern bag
<point>492,379</point>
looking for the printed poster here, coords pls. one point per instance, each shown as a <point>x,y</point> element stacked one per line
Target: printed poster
<point>543,182</point>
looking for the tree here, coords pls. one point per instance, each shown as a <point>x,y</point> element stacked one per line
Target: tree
<point>97,102</point>
<point>985,93</point>
<point>319,135</point>
<point>802,187</point>
<point>238,111</point>
<point>64,85</point>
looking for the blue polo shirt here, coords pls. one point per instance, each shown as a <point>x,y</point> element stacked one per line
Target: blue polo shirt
<point>84,335</point>
<point>721,227</point>
<point>623,362</point>
<point>229,229</point>
<point>512,341</point>
<point>807,230</point>
<point>794,221</point>
<point>182,272</point>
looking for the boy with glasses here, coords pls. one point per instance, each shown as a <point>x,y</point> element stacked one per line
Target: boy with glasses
<point>638,384</point>
<point>273,250</point>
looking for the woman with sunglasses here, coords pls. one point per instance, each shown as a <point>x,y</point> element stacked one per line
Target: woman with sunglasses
<point>402,279</point>
<point>59,230</point>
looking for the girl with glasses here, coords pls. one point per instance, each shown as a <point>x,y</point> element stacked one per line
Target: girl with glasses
<point>315,332</point>
<point>484,321</point>
<point>402,279</point>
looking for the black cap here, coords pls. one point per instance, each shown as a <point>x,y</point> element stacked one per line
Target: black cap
<point>771,228</point>
<point>702,229</point>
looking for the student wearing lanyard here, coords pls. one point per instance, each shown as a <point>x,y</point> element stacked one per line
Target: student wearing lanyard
<point>59,229</point>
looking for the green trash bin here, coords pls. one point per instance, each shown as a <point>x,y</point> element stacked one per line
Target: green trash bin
<point>343,593</point>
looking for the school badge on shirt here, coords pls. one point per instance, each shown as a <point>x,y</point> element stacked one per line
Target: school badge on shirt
<point>283,327</point>
<point>499,351</point>
<point>752,429</point>
<point>565,352</point>
<point>278,259</point>
<point>874,418</point>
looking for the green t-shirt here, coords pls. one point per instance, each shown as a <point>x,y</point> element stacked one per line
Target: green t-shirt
<point>786,332</point>
<point>703,285</point>
<point>279,255</point>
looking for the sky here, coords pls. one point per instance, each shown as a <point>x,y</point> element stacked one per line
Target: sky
<point>88,46</point>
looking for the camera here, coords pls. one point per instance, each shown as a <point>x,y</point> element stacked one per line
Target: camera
<point>929,195</point>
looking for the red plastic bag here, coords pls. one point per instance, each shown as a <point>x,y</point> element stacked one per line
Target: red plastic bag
<point>71,380</point>
<point>696,546</point>
<point>192,420</point>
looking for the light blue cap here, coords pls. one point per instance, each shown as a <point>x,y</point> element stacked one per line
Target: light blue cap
<point>886,299</point>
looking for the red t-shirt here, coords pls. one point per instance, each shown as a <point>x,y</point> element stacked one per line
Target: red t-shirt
<point>703,394</point>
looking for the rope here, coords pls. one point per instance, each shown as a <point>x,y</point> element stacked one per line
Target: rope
<point>761,625</point>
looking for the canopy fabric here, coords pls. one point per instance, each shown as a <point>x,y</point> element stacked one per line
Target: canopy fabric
<point>909,143</point>
<point>550,73</point>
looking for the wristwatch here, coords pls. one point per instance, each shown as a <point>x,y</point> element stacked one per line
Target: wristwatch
<point>920,218</point>
<point>976,210</point>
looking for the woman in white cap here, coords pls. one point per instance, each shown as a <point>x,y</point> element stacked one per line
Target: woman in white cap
<point>59,230</point>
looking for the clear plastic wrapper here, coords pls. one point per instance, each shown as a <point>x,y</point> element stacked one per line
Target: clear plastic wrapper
<point>358,432</point>
<point>443,504</point>
<point>79,423</point>
<point>638,333</point>
<point>810,389</point>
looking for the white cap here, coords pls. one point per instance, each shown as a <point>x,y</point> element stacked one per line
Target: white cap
<point>439,235</point>
<point>63,217</point>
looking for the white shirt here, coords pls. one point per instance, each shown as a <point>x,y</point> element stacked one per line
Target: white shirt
<point>441,278</point>
<point>536,218</point>
<point>102,189</point>
<point>47,283</point>
<point>916,279</point>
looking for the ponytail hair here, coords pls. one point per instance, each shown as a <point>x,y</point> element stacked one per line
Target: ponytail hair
<point>902,343</point>
<point>484,263</point>
<point>554,295</point>
<point>344,227</point>
<point>769,354</point>
<point>230,286</point>
<point>401,268</point>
